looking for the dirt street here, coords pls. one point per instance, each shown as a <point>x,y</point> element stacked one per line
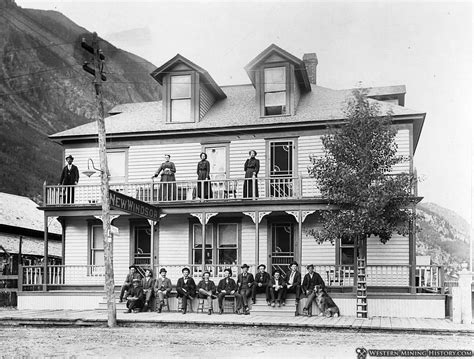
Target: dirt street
<point>204,342</point>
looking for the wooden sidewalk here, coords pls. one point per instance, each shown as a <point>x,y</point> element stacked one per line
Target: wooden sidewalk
<point>99,318</point>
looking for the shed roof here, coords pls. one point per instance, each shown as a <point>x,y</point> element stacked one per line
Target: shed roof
<point>29,245</point>
<point>22,212</point>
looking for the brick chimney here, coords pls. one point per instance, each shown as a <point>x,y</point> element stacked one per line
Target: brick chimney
<point>311,62</point>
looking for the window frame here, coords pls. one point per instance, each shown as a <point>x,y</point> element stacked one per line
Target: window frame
<point>119,150</point>
<point>218,246</point>
<point>90,249</point>
<point>167,100</point>
<point>288,92</point>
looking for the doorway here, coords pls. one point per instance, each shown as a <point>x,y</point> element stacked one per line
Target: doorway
<point>282,246</point>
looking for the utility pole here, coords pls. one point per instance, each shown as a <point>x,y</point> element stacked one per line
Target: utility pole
<point>97,72</point>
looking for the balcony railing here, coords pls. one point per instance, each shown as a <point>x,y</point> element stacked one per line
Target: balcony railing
<point>275,188</point>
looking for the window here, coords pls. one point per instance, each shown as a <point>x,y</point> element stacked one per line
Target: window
<point>197,244</point>
<point>281,168</point>
<point>227,239</point>
<point>275,97</point>
<point>346,251</point>
<point>142,246</point>
<point>180,98</point>
<point>117,164</point>
<point>97,245</point>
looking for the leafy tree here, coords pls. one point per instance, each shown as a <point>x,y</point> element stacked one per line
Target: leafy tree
<point>354,175</point>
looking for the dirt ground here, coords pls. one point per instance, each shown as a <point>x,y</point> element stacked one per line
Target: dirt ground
<point>204,342</point>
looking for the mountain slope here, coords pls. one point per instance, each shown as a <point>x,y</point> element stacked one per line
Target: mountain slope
<point>43,90</point>
<point>444,235</point>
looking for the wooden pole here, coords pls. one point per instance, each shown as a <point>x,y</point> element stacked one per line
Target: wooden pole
<point>45,257</point>
<point>203,233</point>
<point>104,186</point>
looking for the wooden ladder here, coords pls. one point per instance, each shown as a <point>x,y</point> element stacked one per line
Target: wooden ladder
<point>361,302</point>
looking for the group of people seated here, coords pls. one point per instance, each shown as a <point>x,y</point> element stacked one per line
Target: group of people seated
<point>140,292</point>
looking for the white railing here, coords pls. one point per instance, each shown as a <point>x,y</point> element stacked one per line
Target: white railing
<point>334,275</point>
<point>188,191</point>
<point>388,275</point>
<point>64,275</point>
<point>429,277</point>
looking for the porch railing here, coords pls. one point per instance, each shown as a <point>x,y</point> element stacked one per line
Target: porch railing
<point>63,275</point>
<point>274,188</point>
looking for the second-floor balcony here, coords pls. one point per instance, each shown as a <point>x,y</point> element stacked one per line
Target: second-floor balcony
<point>189,191</point>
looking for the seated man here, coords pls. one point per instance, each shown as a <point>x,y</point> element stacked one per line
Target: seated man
<point>310,281</point>
<point>245,282</point>
<point>262,280</point>
<point>207,290</point>
<point>186,288</point>
<point>162,288</point>
<point>127,285</point>
<point>135,297</point>
<point>147,286</point>
<point>293,283</point>
<point>276,288</point>
<point>226,286</point>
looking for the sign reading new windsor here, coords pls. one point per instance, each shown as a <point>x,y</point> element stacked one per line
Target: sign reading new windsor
<point>132,205</point>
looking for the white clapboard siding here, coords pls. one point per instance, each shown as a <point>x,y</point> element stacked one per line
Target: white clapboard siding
<point>206,100</point>
<point>402,140</point>
<point>248,241</point>
<point>395,251</point>
<point>312,252</point>
<point>263,247</point>
<point>174,240</point>
<point>76,247</point>
<point>307,146</point>
<point>144,160</point>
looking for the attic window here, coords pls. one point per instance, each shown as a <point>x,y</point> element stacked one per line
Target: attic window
<point>180,98</point>
<point>274,91</point>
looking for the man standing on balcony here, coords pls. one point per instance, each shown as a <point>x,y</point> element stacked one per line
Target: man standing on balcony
<point>69,177</point>
<point>245,281</point>
<point>262,279</point>
<point>186,288</point>
<point>293,283</point>
<point>226,286</point>
<point>310,281</point>
<point>127,285</point>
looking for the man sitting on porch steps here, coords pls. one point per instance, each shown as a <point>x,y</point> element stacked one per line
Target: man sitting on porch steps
<point>162,289</point>
<point>186,288</point>
<point>262,281</point>
<point>293,283</point>
<point>226,286</point>
<point>245,281</point>
<point>310,281</point>
<point>135,297</point>
<point>127,285</point>
<point>147,285</point>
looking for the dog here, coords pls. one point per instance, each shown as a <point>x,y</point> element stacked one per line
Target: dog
<point>325,303</point>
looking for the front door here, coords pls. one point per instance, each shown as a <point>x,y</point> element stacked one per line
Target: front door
<point>217,157</point>
<point>282,246</point>
<point>142,246</point>
<point>281,168</point>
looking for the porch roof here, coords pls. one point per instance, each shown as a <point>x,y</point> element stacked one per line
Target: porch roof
<point>30,245</point>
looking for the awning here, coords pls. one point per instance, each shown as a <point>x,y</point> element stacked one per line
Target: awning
<point>30,245</point>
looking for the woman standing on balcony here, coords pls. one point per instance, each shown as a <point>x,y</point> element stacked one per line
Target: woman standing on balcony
<point>167,190</point>
<point>203,170</point>
<point>251,168</point>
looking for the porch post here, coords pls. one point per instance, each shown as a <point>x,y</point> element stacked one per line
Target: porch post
<point>300,237</point>
<point>257,241</point>
<point>203,229</point>
<point>412,258</point>
<point>63,240</point>
<point>45,257</point>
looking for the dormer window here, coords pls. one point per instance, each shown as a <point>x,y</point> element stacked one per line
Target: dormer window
<point>180,98</point>
<point>275,92</point>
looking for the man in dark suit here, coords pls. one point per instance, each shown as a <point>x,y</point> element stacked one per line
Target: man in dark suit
<point>226,286</point>
<point>277,288</point>
<point>69,177</point>
<point>135,297</point>
<point>293,283</point>
<point>127,285</point>
<point>245,281</point>
<point>310,281</point>
<point>186,288</point>
<point>262,280</point>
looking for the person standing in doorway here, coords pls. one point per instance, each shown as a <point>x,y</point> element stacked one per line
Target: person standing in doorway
<point>203,171</point>
<point>69,177</point>
<point>251,168</point>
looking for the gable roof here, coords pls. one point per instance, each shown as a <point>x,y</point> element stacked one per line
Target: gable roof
<point>22,212</point>
<point>161,71</point>
<point>300,68</point>
<point>237,112</point>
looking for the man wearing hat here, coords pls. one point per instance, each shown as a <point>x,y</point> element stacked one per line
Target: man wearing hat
<point>245,281</point>
<point>135,297</point>
<point>186,288</point>
<point>147,285</point>
<point>277,285</point>
<point>227,286</point>
<point>293,283</point>
<point>127,285</point>
<point>207,290</point>
<point>69,177</point>
<point>162,288</point>
<point>262,279</point>
<point>310,281</point>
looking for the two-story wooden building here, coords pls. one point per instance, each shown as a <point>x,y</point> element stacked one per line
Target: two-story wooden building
<point>281,115</point>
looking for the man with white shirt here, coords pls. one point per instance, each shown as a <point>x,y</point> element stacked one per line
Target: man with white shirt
<point>69,177</point>
<point>293,283</point>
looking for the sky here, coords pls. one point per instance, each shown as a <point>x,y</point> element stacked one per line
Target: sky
<point>426,46</point>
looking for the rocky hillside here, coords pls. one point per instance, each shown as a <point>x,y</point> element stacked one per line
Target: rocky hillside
<point>444,235</point>
<point>43,90</point>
